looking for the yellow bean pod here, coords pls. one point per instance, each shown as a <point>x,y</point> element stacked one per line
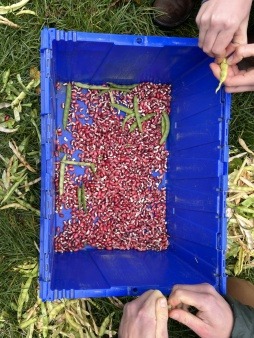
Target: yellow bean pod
<point>223,73</point>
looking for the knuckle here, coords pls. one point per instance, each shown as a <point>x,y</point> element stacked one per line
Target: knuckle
<point>210,299</point>
<point>204,21</point>
<point>175,287</point>
<point>209,288</point>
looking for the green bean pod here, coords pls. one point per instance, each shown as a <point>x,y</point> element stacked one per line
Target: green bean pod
<point>127,118</point>
<point>147,117</point>
<point>163,125</point>
<point>87,86</point>
<point>121,87</point>
<point>82,164</point>
<point>67,105</point>
<point>122,108</point>
<point>167,127</point>
<point>61,175</point>
<point>137,115</point>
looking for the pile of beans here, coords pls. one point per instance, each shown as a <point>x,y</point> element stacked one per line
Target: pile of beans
<point>125,198</point>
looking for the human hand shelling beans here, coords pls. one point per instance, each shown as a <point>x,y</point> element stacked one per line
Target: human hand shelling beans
<point>223,26</point>
<point>147,315</point>
<point>237,80</point>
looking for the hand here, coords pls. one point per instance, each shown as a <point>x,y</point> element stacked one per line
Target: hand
<point>237,80</point>
<point>214,317</point>
<point>145,317</point>
<point>222,26</point>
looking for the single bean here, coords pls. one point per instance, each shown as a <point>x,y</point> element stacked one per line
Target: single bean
<point>167,128</point>
<point>123,108</point>
<point>127,118</point>
<point>67,105</point>
<point>147,117</point>
<point>137,115</point>
<point>223,73</point>
<point>61,175</point>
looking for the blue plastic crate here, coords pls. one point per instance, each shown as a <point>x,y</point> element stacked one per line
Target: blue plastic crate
<point>196,180</point>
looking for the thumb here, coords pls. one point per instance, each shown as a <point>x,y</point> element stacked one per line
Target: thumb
<point>240,53</point>
<point>161,311</point>
<point>188,319</point>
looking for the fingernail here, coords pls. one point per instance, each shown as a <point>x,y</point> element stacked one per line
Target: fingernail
<point>163,302</point>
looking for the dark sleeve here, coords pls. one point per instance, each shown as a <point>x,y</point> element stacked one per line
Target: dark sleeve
<point>243,319</point>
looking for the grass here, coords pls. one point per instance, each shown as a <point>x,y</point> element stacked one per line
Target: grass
<point>19,52</point>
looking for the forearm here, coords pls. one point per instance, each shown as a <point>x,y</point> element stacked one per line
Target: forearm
<point>243,319</point>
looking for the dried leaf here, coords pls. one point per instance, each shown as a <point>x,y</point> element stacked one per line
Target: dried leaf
<point>13,205</point>
<point>22,159</point>
<point>7,22</point>
<point>4,105</point>
<point>7,130</point>
<point>26,11</point>
<point>244,146</point>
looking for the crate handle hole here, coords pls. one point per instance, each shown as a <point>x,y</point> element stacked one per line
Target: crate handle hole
<point>134,290</point>
<point>139,40</point>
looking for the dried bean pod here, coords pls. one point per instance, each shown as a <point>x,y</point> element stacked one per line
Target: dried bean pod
<point>223,73</point>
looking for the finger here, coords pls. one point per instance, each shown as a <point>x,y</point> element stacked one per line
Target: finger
<point>161,318</point>
<point>240,53</point>
<point>203,287</point>
<point>150,302</point>
<point>241,79</point>
<point>232,71</point>
<point>222,41</point>
<point>188,319</point>
<point>191,298</point>
<point>202,24</point>
<point>240,89</point>
<point>210,41</point>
